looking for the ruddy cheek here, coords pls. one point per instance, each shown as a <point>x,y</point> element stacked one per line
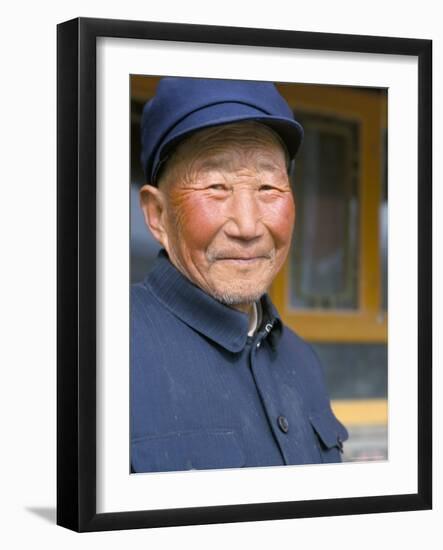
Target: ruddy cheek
<point>199,220</point>
<point>281,218</point>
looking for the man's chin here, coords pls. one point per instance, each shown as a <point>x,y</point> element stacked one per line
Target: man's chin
<point>238,267</point>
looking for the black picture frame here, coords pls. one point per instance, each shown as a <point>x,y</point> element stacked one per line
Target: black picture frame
<point>76,273</point>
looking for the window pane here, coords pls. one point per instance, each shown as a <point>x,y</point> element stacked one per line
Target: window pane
<point>324,256</point>
<point>355,371</point>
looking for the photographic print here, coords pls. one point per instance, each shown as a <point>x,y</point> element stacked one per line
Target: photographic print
<point>329,281</point>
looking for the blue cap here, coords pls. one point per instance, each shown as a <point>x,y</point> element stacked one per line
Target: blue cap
<point>182,106</point>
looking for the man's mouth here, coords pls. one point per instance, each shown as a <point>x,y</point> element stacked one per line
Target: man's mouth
<point>242,259</point>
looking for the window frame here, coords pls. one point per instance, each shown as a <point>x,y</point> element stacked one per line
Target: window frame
<point>368,323</point>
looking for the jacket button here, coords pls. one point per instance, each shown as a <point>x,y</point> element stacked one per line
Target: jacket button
<point>283,424</point>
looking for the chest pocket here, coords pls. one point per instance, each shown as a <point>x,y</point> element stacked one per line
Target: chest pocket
<point>190,450</point>
<point>330,434</point>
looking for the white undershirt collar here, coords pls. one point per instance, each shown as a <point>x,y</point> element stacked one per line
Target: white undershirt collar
<point>254,318</point>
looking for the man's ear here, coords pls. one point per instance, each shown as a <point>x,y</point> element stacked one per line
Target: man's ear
<point>153,205</point>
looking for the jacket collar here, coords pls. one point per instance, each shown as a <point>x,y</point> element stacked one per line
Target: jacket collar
<point>226,326</point>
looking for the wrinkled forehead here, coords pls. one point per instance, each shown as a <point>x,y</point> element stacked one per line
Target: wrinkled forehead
<point>248,134</point>
<point>222,147</point>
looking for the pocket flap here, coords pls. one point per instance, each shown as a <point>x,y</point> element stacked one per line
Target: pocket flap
<point>189,450</point>
<point>331,432</point>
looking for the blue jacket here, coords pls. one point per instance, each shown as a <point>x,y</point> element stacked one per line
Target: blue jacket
<point>205,395</point>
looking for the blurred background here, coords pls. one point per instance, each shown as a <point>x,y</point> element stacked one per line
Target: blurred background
<point>333,288</point>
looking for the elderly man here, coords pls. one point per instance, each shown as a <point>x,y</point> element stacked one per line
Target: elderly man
<point>217,381</point>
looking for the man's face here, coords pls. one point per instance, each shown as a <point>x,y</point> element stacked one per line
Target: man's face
<point>229,211</point>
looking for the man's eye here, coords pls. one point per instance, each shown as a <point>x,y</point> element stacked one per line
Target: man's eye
<point>217,187</point>
<point>267,188</point>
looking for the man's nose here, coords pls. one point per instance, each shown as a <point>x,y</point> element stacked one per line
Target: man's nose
<point>244,215</point>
